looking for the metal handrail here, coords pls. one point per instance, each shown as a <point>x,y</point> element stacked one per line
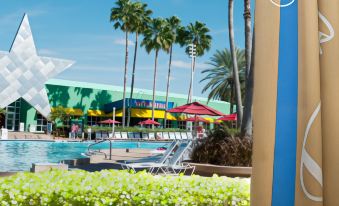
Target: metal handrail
<point>96,143</point>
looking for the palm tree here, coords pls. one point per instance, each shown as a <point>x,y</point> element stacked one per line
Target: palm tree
<point>196,34</point>
<point>174,25</point>
<point>220,78</point>
<point>157,37</point>
<point>235,63</point>
<point>139,26</point>
<point>123,16</point>
<point>246,127</point>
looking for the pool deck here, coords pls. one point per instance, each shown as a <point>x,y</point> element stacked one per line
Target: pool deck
<point>98,162</point>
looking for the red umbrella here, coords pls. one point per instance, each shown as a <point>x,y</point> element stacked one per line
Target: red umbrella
<point>196,119</point>
<point>109,121</point>
<point>149,122</point>
<point>230,117</point>
<point>197,109</point>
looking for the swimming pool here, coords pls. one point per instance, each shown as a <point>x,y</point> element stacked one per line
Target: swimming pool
<point>19,155</point>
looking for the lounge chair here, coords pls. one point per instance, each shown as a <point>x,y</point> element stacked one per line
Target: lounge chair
<point>149,162</point>
<point>167,164</point>
<point>174,165</point>
<point>165,135</point>
<point>171,135</point>
<point>178,135</point>
<point>155,158</point>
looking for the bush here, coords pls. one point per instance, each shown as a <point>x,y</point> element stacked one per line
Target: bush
<point>221,147</point>
<point>112,187</point>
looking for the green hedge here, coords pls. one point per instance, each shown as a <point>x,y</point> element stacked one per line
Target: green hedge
<point>112,187</point>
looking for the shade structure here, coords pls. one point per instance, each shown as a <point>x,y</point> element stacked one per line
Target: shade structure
<point>230,117</point>
<point>295,111</point>
<point>196,108</point>
<point>110,121</point>
<point>196,119</point>
<point>149,122</point>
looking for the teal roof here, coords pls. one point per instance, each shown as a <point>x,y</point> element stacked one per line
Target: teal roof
<point>69,83</point>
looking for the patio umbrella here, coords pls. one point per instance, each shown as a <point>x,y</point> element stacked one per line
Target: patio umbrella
<point>109,121</point>
<point>230,117</point>
<point>196,108</point>
<point>149,122</point>
<point>196,119</point>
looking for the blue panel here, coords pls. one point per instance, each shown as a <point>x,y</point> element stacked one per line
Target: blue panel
<point>287,107</point>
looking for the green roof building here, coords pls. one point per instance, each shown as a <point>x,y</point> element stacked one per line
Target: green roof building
<point>92,103</point>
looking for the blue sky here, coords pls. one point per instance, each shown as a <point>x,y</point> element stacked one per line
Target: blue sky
<point>80,30</point>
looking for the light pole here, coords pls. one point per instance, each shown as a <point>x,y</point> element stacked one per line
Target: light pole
<point>192,53</point>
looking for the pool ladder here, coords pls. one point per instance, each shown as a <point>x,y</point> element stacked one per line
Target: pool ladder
<point>94,152</point>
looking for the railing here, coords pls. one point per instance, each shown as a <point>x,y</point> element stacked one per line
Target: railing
<point>89,151</point>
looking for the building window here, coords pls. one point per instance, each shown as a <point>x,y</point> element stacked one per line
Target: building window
<point>41,125</point>
<point>182,124</point>
<point>91,121</point>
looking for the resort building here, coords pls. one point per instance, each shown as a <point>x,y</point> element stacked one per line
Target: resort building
<point>89,103</point>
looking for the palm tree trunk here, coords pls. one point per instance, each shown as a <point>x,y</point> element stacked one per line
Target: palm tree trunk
<point>235,63</point>
<point>246,129</point>
<point>133,76</point>
<point>125,81</point>
<point>154,83</point>
<point>232,99</point>
<point>168,84</point>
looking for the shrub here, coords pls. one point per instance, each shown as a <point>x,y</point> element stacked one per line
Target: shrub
<point>112,187</point>
<point>222,148</point>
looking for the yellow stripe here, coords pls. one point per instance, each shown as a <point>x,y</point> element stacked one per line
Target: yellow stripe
<point>147,113</point>
<point>71,111</point>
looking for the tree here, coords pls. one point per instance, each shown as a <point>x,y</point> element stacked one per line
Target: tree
<point>157,37</point>
<point>58,114</point>
<point>139,25</point>
<point>220,78</point>
<point>196,34</point>
<point>123,16</point>
<point>235,63</point>
<point>173,24</point>
<point>246,127</point>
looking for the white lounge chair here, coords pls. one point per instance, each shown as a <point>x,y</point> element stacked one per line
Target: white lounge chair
<point>184,135</point>
<point>178,135</point>
<point>155,158</point>
<point>124,135</point>
<point>117,135</point>
<point>171,135</point>
<point>150,164</point>
<point>167,164</point>
<point>165,135</point>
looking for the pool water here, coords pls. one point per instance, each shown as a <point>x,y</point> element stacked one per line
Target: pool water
<point>19,155</point>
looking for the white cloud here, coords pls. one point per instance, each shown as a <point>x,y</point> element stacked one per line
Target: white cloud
<point>187,65</point>
<point>123,42</point>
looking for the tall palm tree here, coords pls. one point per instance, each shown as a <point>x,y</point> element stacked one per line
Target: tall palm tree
<point>196,34</point>
<point>235,63</point>
<point>122,16</point>
<point>157,37</point>
<point>246,127</point>
<point>139,26</point>
<point>174,24</point>
<point>220,78</point>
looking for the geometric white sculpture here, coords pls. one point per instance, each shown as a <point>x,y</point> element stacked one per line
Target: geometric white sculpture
<point>23,73</point>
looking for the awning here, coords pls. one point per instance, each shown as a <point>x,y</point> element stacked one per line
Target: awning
<point>147,113</point>
<point>101,113</point>
<point>71,111</point>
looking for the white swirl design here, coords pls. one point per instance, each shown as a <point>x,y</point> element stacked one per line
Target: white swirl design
<point>307,161</point>
<point>282,5</point>
<point>323,37</point>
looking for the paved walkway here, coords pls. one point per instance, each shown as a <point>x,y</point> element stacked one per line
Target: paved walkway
<point>98,162</point>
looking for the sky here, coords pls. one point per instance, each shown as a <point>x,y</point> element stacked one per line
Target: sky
<point>80,30</point>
